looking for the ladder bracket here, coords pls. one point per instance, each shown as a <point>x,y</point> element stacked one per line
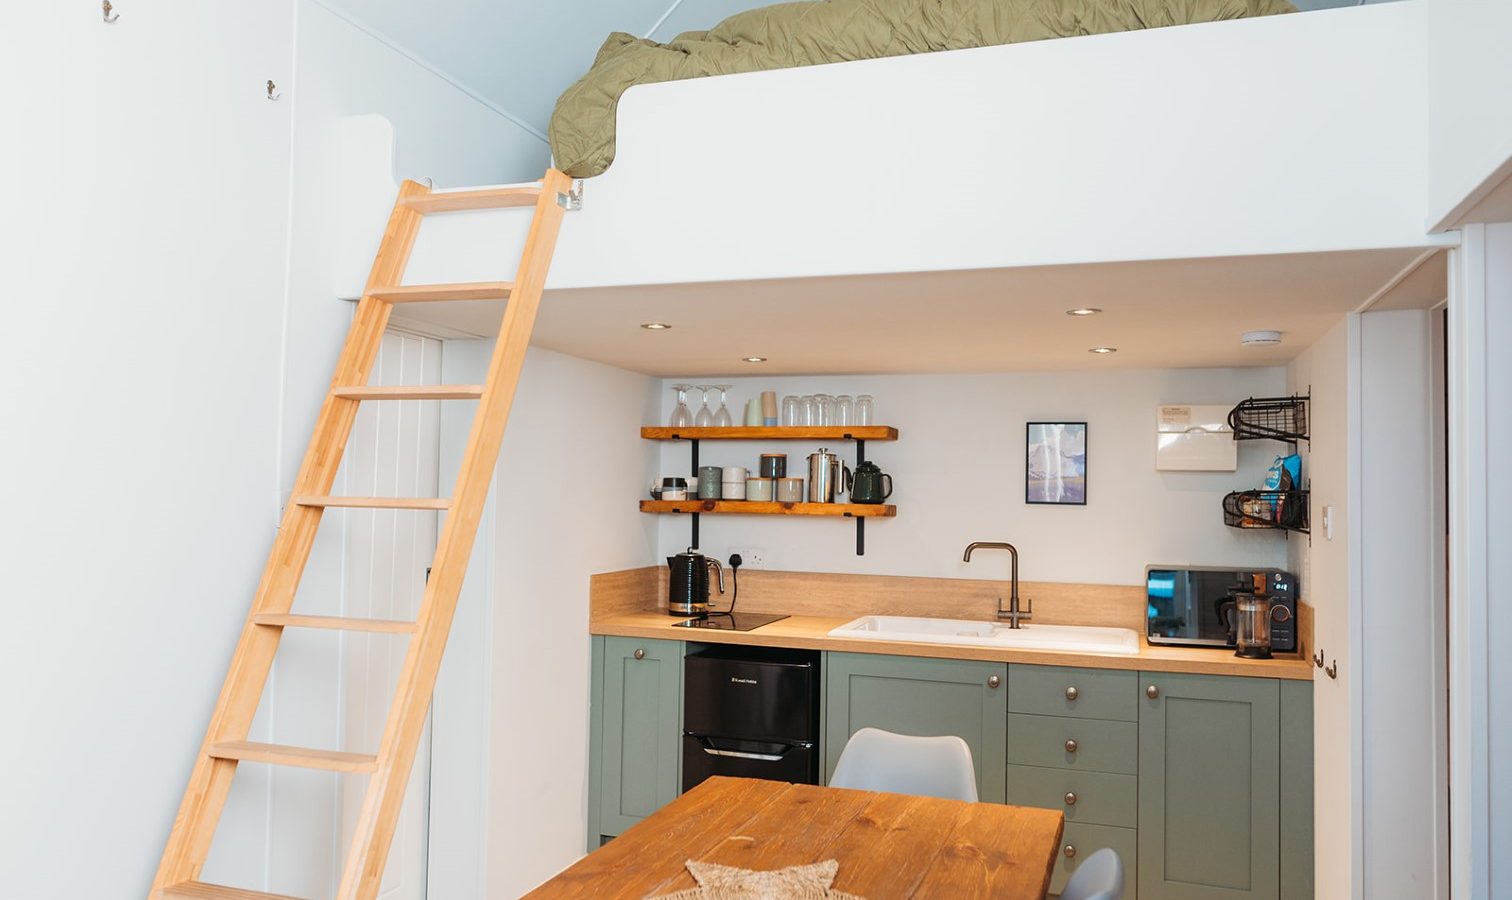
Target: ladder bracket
<point>573,199</point>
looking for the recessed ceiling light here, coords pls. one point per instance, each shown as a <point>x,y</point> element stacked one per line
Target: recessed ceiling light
<point>655,326</point>
<point>754,359</point>
<point>1260,338</point>
<point>1083,311</point>
<point>1103,350</point>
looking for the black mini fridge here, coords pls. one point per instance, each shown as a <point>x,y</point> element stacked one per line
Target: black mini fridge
<point>751,712</point>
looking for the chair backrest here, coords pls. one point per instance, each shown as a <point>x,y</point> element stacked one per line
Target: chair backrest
<point>1099,877</point>
<point>877,760</point>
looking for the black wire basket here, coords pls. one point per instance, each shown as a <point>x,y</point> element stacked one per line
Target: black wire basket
<point>1270,418</point>
<point>1267,509</point>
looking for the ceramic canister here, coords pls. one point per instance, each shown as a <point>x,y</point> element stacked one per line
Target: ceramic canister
<point>760,488</point>
<point>790,490</point>
<point>708,482</point>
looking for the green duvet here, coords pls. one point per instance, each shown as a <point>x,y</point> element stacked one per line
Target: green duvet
<point>827,31</point>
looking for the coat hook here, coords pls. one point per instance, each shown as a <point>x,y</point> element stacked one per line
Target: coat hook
<point>1318,659</point>
<point>109,16</point>
<point>271,88</point>
<point>1333,670</point>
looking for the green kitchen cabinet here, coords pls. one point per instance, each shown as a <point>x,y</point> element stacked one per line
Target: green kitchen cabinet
<point>915,695</point>
<point>1209,787</point>
<point>1296,790</point>
<point>636,725</point>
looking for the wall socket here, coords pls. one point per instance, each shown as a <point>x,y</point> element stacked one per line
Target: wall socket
<point>751,557</point>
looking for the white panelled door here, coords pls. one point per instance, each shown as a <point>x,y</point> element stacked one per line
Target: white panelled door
<point>394,451</point>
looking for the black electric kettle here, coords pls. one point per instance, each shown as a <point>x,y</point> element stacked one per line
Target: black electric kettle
<point>688,586</point>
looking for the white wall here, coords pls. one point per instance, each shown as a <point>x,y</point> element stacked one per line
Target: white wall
<point>511,730</point>
<point>959,472</point>
<point>1328,369</point>
<point>1469,80</point>
<point>144,241</point>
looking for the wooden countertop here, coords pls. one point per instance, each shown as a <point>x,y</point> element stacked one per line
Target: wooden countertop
<point>887,845</point>
<point>812,633</point>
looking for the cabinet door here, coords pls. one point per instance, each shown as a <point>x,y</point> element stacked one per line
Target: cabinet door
<point>912,695</point>
<point>1296,790</point>
<point>1209,776</point>
<point>640,737</point>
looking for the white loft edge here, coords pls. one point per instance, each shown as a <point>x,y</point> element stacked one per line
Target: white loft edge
<point>1119,147</point>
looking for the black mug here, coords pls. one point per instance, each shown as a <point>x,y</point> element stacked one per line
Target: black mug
<point>870,484</point>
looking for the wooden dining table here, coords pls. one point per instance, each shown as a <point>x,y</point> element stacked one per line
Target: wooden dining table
<point>887,845</point>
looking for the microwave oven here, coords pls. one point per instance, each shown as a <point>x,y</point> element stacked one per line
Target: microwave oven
<point>1183,605</point>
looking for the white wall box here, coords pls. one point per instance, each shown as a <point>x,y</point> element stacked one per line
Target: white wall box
<point>1194,439</point>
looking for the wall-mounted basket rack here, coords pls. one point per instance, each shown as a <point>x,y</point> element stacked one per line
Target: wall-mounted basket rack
<point>1284,510</point>
<point>1270,418</point>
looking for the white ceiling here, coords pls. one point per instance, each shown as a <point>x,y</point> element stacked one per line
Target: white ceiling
<point>1159,314</point>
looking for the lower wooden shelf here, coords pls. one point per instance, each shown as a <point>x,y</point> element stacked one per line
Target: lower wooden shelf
<point>770,508</point>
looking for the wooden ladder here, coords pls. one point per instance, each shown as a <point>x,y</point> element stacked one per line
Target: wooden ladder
<point>226,741</point>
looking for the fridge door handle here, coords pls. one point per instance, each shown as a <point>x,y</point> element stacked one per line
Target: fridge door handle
<point>766,757</point>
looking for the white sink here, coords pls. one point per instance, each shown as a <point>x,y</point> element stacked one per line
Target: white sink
<point>1077,638</point>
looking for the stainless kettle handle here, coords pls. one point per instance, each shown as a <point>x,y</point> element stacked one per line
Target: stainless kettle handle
<point>718,571</point>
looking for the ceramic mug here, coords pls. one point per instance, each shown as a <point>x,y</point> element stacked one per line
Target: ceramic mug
<point>670,488</point>
<point>760,488</point>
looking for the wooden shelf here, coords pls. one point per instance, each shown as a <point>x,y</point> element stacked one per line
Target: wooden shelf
<point>773,433</point>
<point>770,508</point>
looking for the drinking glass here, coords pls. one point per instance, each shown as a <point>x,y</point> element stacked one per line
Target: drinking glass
<point>682,417</point>
<point>792,410</point>
<point>722,416</point>
<point>866,410</point>
<point>705,417</point>
<point>845,410</point>
<point>808,413</point>
<point>824,406</point>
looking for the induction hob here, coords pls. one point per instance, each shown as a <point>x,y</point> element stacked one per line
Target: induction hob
<point>730,621</point>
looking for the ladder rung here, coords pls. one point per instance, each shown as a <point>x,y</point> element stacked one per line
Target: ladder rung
<point>376,502</point>
<point>307,757</point>
<point>423,293</point>
<point>201,890</point>
<point>416,392</point>
<point>338,623</point>
<point>486,198</point>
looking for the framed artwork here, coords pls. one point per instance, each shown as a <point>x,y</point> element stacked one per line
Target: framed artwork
<point>1055,469</point>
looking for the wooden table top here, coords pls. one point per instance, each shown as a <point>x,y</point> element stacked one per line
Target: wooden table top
<point>888,845</point>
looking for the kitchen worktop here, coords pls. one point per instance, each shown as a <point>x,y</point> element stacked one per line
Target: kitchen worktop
<point>812,633</point>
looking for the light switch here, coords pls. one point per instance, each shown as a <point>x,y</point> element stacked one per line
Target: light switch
<point>1328,522</point>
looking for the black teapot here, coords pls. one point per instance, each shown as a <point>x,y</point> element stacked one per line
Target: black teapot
<point>870,484</point>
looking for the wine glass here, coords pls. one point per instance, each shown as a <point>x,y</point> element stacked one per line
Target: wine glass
<point>824,406</point>
<point>808,413</point>
<point>705,417</point>
<point>682,417</point>
<point>845,408</point>
<point>722,417</point>
<point>792,411</point>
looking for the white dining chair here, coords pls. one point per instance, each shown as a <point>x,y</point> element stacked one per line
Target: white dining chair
<point>877,760</point>
<point>1099,877</point>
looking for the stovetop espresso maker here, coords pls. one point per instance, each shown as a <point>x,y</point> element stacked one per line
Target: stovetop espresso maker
<point>688,584</point>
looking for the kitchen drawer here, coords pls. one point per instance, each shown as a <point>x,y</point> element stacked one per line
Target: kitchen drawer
<point>1098,693</point>
<point>1085,840</point>
<point>1100,798</point>
<point>1100,746</point>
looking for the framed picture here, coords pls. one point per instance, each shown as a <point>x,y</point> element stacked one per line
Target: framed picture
<point>1055,470</point>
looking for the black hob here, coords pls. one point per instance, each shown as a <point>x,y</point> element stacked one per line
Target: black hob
<point>730,621</point>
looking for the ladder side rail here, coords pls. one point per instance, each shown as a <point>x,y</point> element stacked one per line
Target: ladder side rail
<point>210,781</point>
<point>383,801</point>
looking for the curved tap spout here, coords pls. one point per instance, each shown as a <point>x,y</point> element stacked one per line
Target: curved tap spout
<point>1013,614</point>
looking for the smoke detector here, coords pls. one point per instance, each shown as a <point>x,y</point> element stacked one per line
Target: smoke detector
<point>1260,338</point>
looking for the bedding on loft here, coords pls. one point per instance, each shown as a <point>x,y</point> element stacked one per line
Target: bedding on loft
<point>787,35</point>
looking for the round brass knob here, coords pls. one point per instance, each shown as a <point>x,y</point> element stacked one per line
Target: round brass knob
<point>1070,798</point>
<point>993,681</point>
<point>639,653</point>
<point>1069,850</point>
<point>1071,693</point>
<point>1071,746</point>
<point>1152,692</point>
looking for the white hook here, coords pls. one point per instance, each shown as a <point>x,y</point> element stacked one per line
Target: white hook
<point>271,88</point>
<point>106,8</point>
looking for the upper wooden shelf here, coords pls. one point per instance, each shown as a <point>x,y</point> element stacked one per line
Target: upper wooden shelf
<point>770,508</point>
<point>773,433</point>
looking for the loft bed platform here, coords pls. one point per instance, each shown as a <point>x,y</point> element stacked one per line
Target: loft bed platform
<point>1266,137</point>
